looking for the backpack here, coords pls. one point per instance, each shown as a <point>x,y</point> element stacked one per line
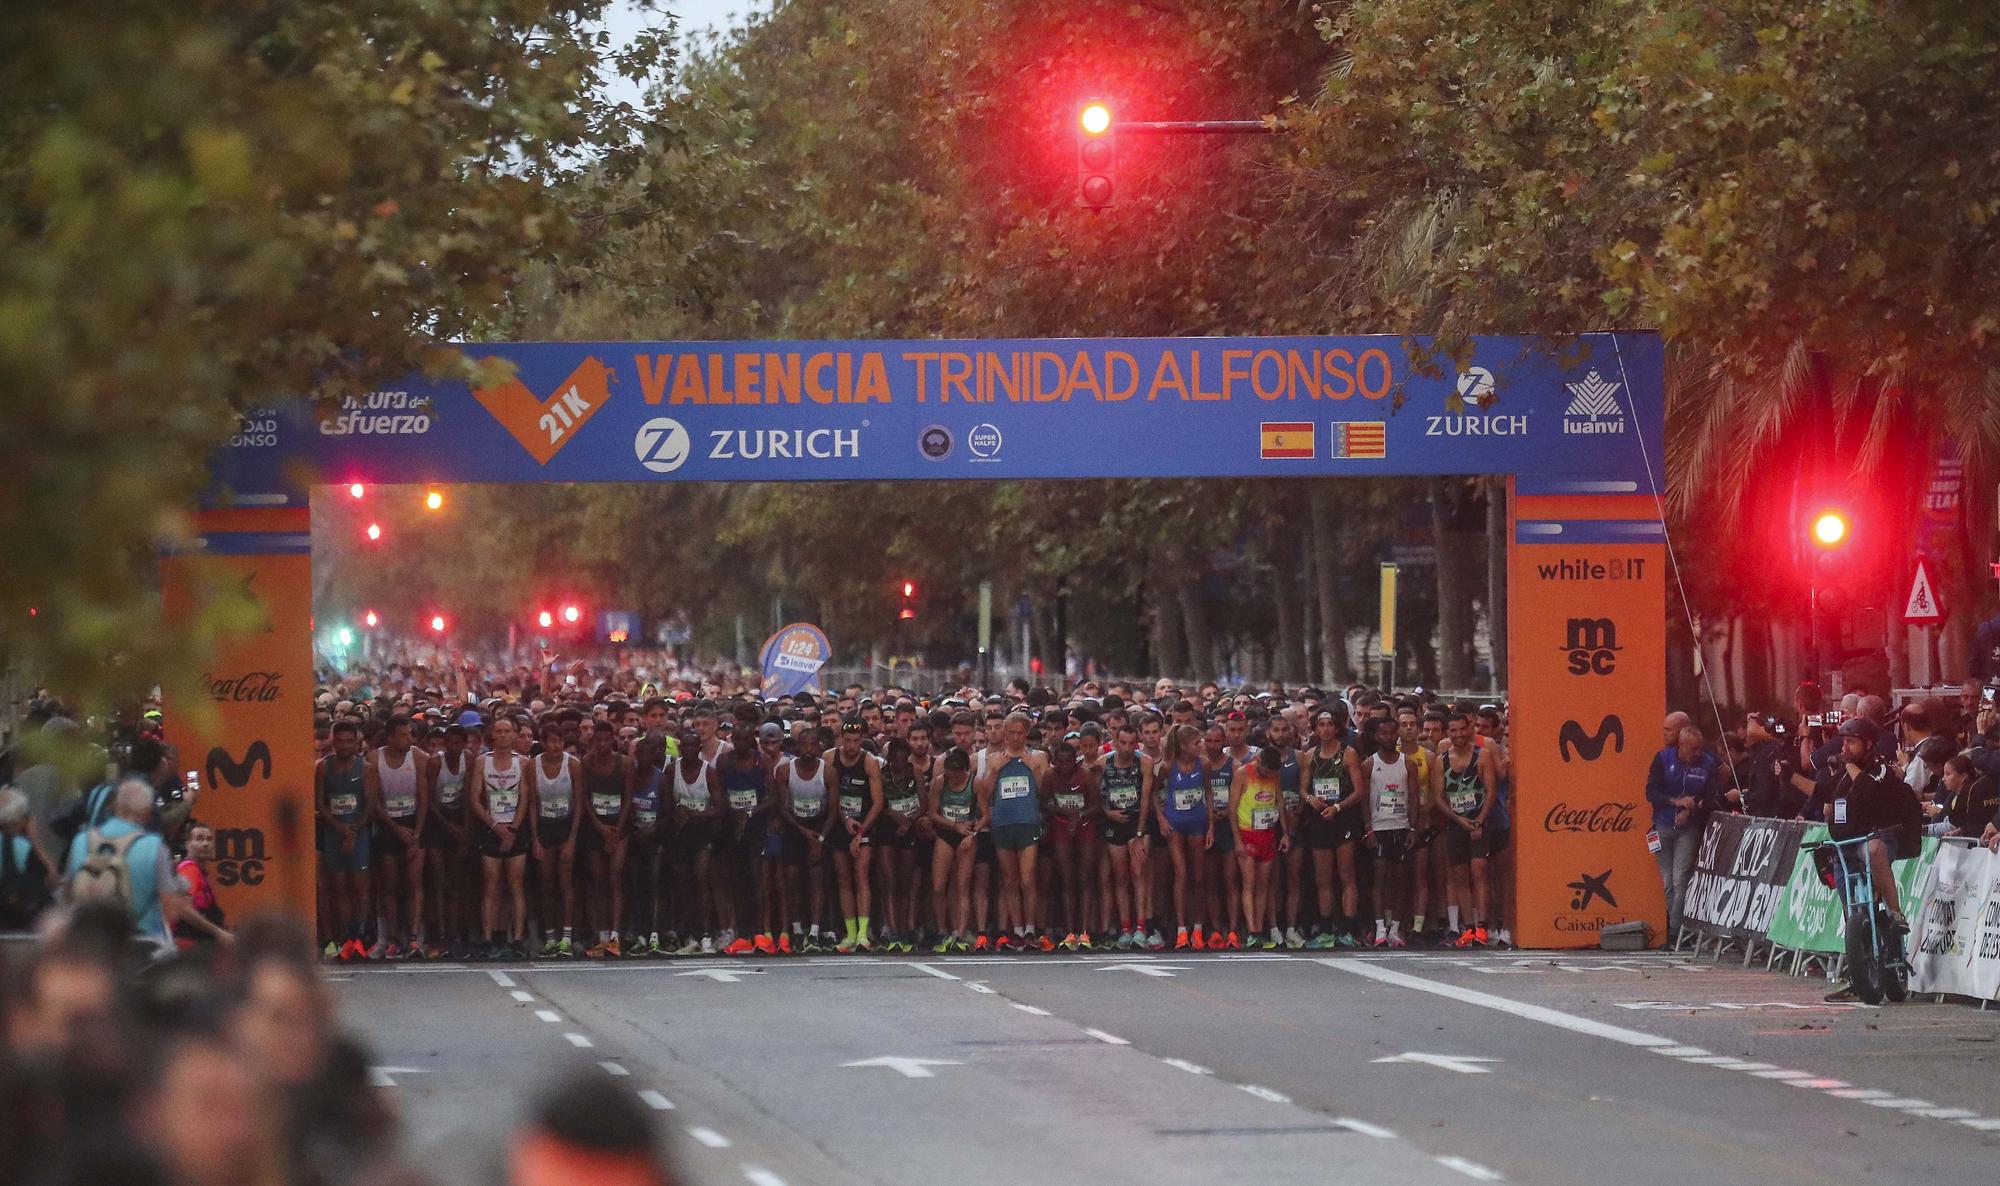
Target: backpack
<point>24,888</point>
<point>104,876</point>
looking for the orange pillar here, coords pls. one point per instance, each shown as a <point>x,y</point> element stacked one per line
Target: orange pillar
<point>1586,653</point>
<point>251,737</point>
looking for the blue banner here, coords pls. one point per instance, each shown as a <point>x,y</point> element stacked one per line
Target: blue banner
<point>1585,411</point>
<point>791,660</point>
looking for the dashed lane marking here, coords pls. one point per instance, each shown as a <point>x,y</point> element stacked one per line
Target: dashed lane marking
<point>759,1176</point>
<point>1264,1093</point>
<point>1364,1128</point>
<point>709,1137</point>
<point>548,1015</point>
<point>502,979</point>
<point>1471,1169</point>
<point>521,996</point>
<point>1037,1011</point>
<point>928,970</point>
<point>1111,1039</point>
<point>656,1101</point>
<point>579,1041</point>
<point>613,1069</point>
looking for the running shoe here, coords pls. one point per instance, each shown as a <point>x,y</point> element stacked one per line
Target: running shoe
<point>864,945</point>
<point>1480,936</point>
<point>944,946</point>
<point>393,951</point>
<point>1841,995</point>
<point>611,947</point>
<point>550,947</point>
<point>1200,941</point>
<point>1464,940</point>
<point>784,943</point>
<point>1004,942</point>
<point>982,943</point>
<point>1181,939</point>
<point>1083,942</point>
<point>1233,941</point>
<point>332,950</point>
<point>1347,940</point>
<point>844,947</point>
<point>376,952</point>
<point>1502,938</point>
<point>1154,942</point>
<point>1320,942</point>
<point>1125,941</point>
<point>1045,944</point>
<point>737,947</point>
<point>765,945</point>
<point>565,949</point>
<point>691,947</point>
<point>520,949</point>
<point>639,949</point>
<point>1397,941</point>
<point>707,946</point>
<point>1068,941</point>
<point>1293,940</point>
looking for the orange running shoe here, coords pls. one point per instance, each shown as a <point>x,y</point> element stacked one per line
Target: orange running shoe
<point>982,943</point>
<point>1045,943</point>
<point>740,947</point>
<point>784,943</point>
<point>766,945</point>
<point>1234,942</point>
<point>1199,942</point>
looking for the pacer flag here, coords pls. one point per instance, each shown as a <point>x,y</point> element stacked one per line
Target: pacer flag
<point>1288,438</point>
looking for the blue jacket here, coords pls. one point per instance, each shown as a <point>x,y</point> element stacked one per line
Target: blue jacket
<point>1670,778</point>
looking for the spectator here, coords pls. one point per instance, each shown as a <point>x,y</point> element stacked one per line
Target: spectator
<point>202,922</point>
<point>26,874</point>
<point>1916,727</point>
<point>1768,768</point>
<point>49,784</point>
<point>197,1113</point>
<point>1683,782</point>
<point>1876,709</point>
<point>121,861</point>
<point>587,1130</point>
<point>1973,799</point>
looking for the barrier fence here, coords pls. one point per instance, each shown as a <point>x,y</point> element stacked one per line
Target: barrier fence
<point>1755,889</point>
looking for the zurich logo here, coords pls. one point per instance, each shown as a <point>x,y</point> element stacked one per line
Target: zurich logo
<point>662,445</point>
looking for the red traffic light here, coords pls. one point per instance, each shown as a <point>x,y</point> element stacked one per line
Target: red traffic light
<point>437,623</point>
<point>545,619</point>
<point>1095,119</point>
<point>1096,156</point>
<point>1830,528</point>
<point>434,501</point>
<point>909,589</point>
<point>571,614</point>
<point>370,620</point>
<point>356,490</point>
<point>906,615</point>
<point>374,532</point>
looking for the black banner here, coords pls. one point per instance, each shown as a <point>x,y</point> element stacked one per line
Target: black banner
<point>1739,871</point>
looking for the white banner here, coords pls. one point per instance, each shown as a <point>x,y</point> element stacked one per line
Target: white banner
<point>1956,947</point>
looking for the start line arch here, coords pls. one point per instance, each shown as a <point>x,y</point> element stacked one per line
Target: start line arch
<point>1575,426</point>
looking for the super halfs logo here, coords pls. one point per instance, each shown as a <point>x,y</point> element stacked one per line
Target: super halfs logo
<point>544,426</point>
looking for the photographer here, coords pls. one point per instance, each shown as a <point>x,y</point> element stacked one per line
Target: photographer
<point>1770,767</point>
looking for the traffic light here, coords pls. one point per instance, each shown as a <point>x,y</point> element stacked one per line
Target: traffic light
<point>1096,156</point>
<point>370,620</point>
<point>433,501</point>
<point>437,623</point>
<point>374,533</point>
<point>571,615</point>
<point>356,490</point>
<point>1831,528</point>
<point>545,619</point>
<point>909,609</point>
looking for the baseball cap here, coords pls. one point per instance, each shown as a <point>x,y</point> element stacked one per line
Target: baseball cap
<point>469,719</point>
<point>771,731</point>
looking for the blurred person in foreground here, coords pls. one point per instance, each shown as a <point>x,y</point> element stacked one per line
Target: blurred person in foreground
<point>586,1130</point>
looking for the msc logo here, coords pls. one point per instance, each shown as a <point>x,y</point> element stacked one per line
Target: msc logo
<point>662,445</point>
<point>239,856</point>
<point>1593,646</point>
<point>1592,889</point>
<point>1590,746</point>
<point>223,769</point>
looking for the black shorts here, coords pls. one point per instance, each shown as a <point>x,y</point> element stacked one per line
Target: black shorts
<point>1319,832</point>
<point>882,835</point>
<point>389,841</point>
<point>1461,847</point>
<point>983,852</point>
<point>1393,845</point>
<point>489,844</point>
<point>587,838</point>
<point>1118,835</point>
<point>695,837</point>
<point>950,837</point>
<point>436,835</point>
<point>556,832</point>
<point>795,850</point>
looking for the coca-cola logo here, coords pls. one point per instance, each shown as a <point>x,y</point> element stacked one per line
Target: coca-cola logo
<point>1601,817</point>
<point>261,687</point>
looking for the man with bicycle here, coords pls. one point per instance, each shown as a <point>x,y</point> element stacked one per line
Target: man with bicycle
<point>1859,794</point>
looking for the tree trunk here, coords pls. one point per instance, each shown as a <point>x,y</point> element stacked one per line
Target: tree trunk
<point>1169,643</point>
<point>1201,657</point>
<point>1334,667</point>
<point>1496,577</point>
<point>1288,663</point>
<point>1454,592</point>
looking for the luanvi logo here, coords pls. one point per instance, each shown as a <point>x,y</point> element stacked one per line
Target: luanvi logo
<point>1590,746</point>
<point>1593,407</point>
<point>222,768</point>
<point>1592,889</point>
<point>1592,646</point>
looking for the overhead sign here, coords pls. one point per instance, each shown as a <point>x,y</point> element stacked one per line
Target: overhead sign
<point>1588,408</point>
<point>1921,608</point>
<point>791,660</point>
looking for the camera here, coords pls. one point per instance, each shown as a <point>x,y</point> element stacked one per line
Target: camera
<point>1780,729</point>
<point>1815,721</point>
<point>1988,693</point>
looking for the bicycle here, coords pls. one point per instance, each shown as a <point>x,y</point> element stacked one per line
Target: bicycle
<point>1877,965</point>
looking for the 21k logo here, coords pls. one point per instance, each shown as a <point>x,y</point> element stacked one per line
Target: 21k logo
<point>544,426</point>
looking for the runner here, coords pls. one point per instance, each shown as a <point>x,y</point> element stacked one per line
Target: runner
<point>701,808</point>
<point>1256,812</point>
<point>1471,781</point>
<point>1185,824</point>
<point>950,809</point>
<point>750,840</point>
<point>1388,775</point>
<point>1009,803</point>
<point>1225,886</point>
<point>1426,788</point>
<point>857,777</point>
<point>1069,797</point>
<point>447,861</point>
<point>341,801</point>
<point>1152,848</point>
<point>894,839</point>
<point>645,846</point>
<point>601,834</point>
<point>500,793</point>
<point>554,778</point>
<point>1332,823</point>
<point>1127,783</point>
<point>1280,735</point>
<point>803,806</point>
<point>396,779</point>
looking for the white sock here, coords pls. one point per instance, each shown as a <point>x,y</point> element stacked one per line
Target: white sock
<point>1381,929</point>
<point>1395,926</point>
<point>1451,917</point>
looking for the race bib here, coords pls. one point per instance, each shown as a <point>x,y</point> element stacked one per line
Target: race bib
<point>645,815</point>
<point>449,793</point>
<point>694,797</point>
<point>958,813</point>
<point>1263,819</point>
<point>1124,798</point>
<point>1392,797</point>
<point>555,808</point>
<point>851,807</point>
<point>810,806</point>
<point>1016,786</point>
<point>1218,794</point>
<point>906,805</point>
<point>1327,789</point>
<point>744,799</point>
<point>505,801</point>
<point>1653,842</point>
<point>342,804</point>
<point>1292,800</point>
<point>604,804</point>
<point>1187,798</point>
<point>1463,799</point>
<point>400,806</point>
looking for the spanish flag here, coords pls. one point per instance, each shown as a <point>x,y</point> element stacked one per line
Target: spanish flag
<point>1287,438</point>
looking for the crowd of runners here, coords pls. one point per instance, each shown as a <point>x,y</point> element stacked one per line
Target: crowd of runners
<point>624,824</point>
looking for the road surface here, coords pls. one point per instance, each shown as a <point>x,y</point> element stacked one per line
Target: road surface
<point>1414,1067</point>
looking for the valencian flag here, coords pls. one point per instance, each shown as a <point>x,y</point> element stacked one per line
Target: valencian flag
<point>1360,438</point>
<point>1287,438</point>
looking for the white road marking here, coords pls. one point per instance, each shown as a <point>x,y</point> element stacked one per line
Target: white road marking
<point>579,1041</point>
<point>1902,1104</point>
<point>1859,1093</point>
<point>1680,1051</point>
<point>1944,1113</point>
<point>1486,1000</point>
<point>1982,1125</point>
<point>723,975</point>
<point>1817,1084</point>
<point>656,1101</point>
<point>1755,1067</point>
<point>502,979</point>
<point>1364,1128</point>
<point>928,970</point>
<point>1162,970</point>
<point>523,997</point>
<point>1192,1068</point>
<point>759,1176</point>
<point>709,1137</point>
<point>1464,1064</point>
<point>1029,1009</point>
<point>1782,1074</point>
<point>908,1068</point>
<point>1726,1062</point>
<point>1471,1169</point>
<point>548,1015</point>
<point>980,986</point>
<point>1264,1093</point>
<point>1113,1039</point>
<point>612,1068</point>
<point>385,1076</point>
